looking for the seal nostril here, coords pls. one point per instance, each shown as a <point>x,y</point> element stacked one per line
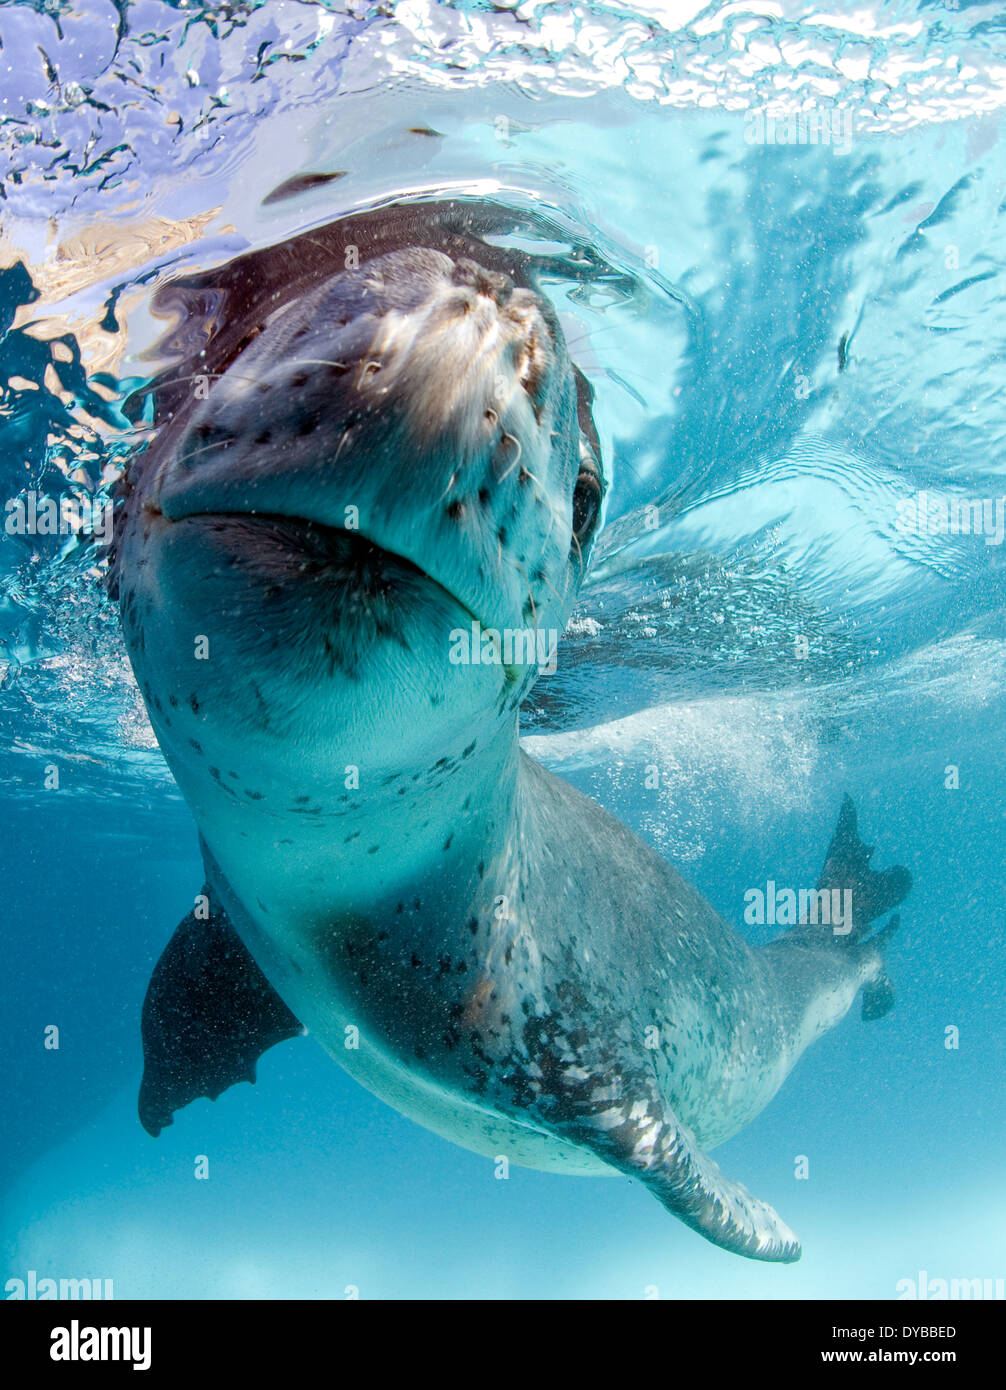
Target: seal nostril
<point>491,284</point>
<point>456,510</point>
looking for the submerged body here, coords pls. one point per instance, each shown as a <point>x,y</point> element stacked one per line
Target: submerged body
<point>382,457</point>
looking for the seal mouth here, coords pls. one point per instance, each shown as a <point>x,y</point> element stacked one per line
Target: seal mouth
<point>314,550</point>
<point>292,550</point>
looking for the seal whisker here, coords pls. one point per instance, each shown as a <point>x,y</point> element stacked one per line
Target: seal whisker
<point>177,381</point>
<point>534,609</point>
<point>195,376</point>
<point>215,444</point>
<point>450,484</point>
<point>345,435</point>
<point>319,362</point>
<point>548,582</point>
<point>520,450</point>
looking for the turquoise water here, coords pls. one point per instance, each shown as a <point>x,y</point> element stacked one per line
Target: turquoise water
<point>799,336</point>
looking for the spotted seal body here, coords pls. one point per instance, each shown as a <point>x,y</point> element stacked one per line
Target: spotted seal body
<point>356,466</point>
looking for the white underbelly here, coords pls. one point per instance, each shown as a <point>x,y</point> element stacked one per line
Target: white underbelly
<point>458,1118</point>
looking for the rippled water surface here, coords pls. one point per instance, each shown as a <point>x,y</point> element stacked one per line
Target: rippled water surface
<point>795,331</point>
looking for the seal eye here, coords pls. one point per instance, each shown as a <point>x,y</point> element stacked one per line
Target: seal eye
<point>586,504</point>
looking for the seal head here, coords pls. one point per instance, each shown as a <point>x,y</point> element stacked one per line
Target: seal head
<point>396,456</point>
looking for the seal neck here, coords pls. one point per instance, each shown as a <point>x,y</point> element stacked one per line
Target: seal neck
<point>441,836</point>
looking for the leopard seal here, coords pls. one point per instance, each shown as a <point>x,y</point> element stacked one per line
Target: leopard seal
<point>373,439</point>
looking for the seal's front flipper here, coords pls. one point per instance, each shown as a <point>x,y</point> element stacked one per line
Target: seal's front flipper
<point>633,1130</point>
<point>847,869</point>
<point>691,1186</point>
<point>208,1016</point>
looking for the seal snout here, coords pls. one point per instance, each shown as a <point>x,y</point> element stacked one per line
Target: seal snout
<point>531,341</point>
<point>491,284</point>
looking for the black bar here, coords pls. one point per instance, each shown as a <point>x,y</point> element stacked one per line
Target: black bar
<point>356,1338</point>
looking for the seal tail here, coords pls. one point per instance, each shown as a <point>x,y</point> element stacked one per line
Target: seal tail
<point>869,893</point>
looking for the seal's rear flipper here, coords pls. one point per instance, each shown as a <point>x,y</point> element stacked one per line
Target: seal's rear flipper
<point>878,993</point>
<point>208,1016</point>
<point>847,869</point>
